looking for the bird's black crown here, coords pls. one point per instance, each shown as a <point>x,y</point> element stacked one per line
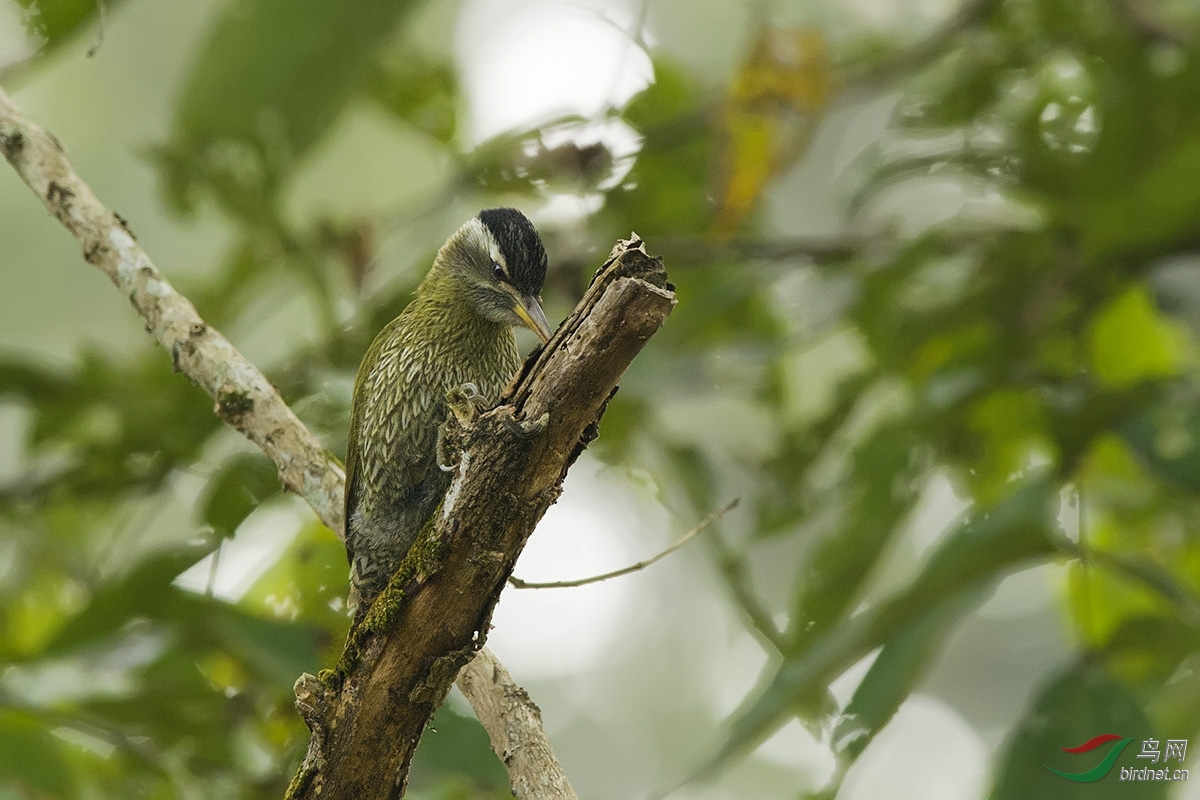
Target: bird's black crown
<point>521,245</point>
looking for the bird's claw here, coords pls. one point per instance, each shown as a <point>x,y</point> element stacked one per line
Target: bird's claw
<point>440,451</point>
<point>471,391</point>
<point>528,427</point>
<point>467,403</point>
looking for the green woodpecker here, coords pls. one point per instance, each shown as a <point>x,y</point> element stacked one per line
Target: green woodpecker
<point>456,335</point>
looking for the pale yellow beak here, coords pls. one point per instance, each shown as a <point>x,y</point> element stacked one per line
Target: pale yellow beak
<point>529,309</point>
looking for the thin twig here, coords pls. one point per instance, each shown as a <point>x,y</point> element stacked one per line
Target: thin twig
<point>687,537</point>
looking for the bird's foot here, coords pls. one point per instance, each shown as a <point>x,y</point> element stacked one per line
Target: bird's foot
<point>528,427</point>
<point>467,403</point>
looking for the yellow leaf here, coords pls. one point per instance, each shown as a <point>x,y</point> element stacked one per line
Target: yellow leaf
<point>768,117</point>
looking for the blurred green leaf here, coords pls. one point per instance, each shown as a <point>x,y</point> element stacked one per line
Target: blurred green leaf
<point>276,651</point>
<point>106,427</point>
<point>961,87</point>
<point>901,663</point>
<point>31,382</point>
<point>1148,650</point>
<point>238,488</point>
<point>1135,199</point>
<point>1131,564</point>
<point>1166,437</point>
<point>55,22</point>
<point>1082,702</point>
<point>667,101</point>
<point>1102,601</point>
<point>1131,342</point>
<point>1177,704</point>
<point>985,545</point>
<point>419,91</point>
<point>270,80</point>
<point>145,592</point>
<point>31,759</point>
<point>884,486</point>
<point>666,191</point>
<point>308,582</point>
<point>457,745</point>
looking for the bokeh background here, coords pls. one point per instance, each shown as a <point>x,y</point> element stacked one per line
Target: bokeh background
<point>937,332</point>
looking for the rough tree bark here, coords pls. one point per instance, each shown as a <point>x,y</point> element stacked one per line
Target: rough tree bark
<point>433,617</point>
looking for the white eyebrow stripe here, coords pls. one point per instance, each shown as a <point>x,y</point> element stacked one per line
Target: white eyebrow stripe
<point>494,250</point>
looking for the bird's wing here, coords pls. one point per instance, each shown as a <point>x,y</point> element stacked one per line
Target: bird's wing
<point>351,492</point>
<point>359,410</point>
<point>352,478</point>
<point>393,424</point>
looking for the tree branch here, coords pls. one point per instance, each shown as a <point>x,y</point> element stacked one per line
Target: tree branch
<point>243,396</point>
<point>514,726</point>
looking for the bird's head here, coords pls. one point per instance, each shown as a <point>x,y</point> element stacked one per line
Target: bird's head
<point>498,261</point>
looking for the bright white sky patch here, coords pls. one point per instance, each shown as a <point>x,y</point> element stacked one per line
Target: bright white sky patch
<point>927,752</point>
<point>603,522</point>
<point>526,61</point>
<point>258,544</point>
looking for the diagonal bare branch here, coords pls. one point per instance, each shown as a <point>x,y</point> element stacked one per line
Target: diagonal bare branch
<point>243,396</point>
<point>514,726</point>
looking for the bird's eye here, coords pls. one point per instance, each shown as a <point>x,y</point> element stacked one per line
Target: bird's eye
<point>498,272</point>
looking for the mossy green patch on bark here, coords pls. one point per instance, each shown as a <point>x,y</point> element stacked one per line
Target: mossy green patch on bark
<point>422,560</point>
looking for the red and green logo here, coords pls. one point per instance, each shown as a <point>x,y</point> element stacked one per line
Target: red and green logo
<point>1104,767</point>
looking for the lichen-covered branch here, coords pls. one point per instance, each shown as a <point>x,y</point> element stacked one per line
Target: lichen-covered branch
<point>514,726</point>
<point>401,660</point>
<point>242,395</point>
